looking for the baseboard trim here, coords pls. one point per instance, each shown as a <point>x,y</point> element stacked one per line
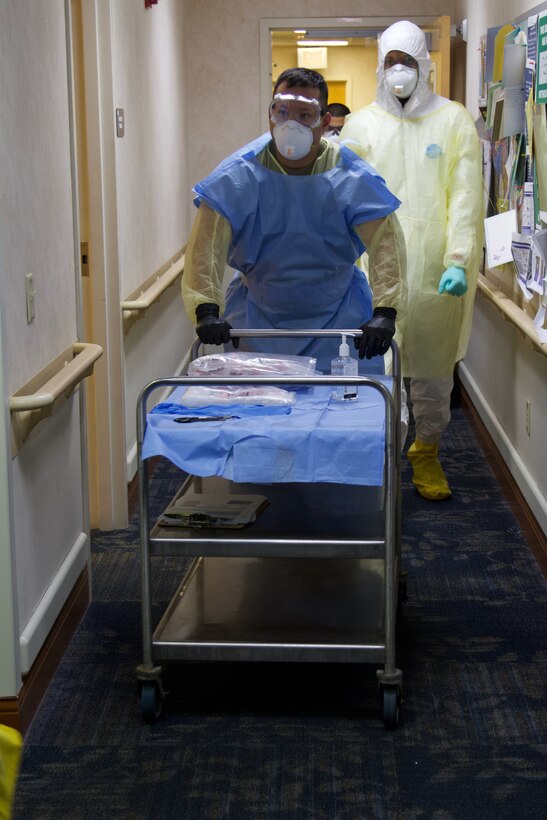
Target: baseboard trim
<point>37,629</point>
<point>525,500</point>
<point>19,711</point>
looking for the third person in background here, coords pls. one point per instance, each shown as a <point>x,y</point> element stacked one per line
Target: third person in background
<point>338,113</point>
<point>427,149</point>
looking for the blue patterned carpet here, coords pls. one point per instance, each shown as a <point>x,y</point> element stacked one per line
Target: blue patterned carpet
<point>304,742</point>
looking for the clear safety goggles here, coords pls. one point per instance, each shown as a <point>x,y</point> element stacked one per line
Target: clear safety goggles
<point>286,107</point>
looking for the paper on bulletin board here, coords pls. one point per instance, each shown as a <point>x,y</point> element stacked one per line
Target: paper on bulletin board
<point>513,65</point>
<point>541,65</point>
<point>529,115</point>
<point>499,51</point>
<point>539,322</point>
<point>531,54</point>
<point>522,257</point>
<point>539,149</point>
<point>498,233</point>
<point>495,94</point>
<point>489,55</point>
<point>482,69</point>
<point>539,281</point>
<point>513,111</point>
<point>538,261</point>
<point>532,39</point>
<point>486,173</point>
<point>528,218</point>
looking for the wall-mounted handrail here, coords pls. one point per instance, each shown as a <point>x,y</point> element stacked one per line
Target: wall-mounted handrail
<point>511,312</point>
<point>49,388</point>
<point>138,302</point>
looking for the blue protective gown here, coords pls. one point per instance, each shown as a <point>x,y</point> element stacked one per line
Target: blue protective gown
<point>294,248</point>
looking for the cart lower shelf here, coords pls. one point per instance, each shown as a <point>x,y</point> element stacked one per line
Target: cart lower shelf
<point>276,609</point>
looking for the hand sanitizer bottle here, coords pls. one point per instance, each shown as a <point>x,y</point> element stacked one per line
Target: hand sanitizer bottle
<point>344,365</point>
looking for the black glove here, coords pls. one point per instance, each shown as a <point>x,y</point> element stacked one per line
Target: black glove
<point>211,329</point>
<point>377,333</point>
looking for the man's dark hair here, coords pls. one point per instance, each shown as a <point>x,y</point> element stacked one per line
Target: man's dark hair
<point>294,77</point>
<point>338,109</point>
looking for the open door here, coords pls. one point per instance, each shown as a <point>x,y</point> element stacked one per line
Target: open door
<point>350,65</point>
<point>440,54</point>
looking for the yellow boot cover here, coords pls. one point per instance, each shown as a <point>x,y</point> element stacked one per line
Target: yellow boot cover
<point>429,478</point>
<point>10,758</point>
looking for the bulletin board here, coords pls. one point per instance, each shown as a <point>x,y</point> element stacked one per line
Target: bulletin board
<point>513,131</point>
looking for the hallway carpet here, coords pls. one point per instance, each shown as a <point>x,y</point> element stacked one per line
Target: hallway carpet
<point>304,741</point>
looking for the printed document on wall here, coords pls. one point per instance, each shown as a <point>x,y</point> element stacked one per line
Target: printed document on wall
<point>541,67</point>
<point>498,232</point>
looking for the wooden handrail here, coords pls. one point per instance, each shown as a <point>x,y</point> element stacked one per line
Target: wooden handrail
<point>138,302</point>
<point>511,312</point>
<point>49,388</point>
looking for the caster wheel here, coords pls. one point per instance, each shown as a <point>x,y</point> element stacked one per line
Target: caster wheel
<point>151,702</point>
<point>390,703</point>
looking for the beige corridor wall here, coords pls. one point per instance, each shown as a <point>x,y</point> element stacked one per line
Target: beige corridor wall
<point>501,371</point>
<point>151,172</point>
<point>221,46</point>
<point>153,193</point>
<point>37,235</point>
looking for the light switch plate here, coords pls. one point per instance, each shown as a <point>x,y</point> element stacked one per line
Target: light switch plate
<point>29,291</point>
<point>120,122</point>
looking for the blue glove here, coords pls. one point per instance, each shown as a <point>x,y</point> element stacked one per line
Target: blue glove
<point>453,281</point>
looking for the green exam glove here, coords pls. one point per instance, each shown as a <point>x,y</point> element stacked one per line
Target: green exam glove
<point>453,281</point>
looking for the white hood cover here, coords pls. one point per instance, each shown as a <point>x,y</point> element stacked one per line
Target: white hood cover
<point>407,37</point>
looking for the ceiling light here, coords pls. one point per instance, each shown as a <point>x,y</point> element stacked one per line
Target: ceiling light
<point>300,31</point>
<point>322,43</point>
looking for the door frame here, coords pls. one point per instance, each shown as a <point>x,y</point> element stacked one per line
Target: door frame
<point>267,25</point>
<point>102,315</point>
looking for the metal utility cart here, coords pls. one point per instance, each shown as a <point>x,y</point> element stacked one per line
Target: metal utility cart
<point>315,578</point>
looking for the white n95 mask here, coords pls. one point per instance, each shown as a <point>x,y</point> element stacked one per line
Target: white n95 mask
<point>401,80</point>
<point>292,140</point>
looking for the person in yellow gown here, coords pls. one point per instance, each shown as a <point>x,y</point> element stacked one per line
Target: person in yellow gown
<point>427,149</point>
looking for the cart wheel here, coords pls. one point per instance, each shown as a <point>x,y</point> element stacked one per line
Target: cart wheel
<point>390,702</point>
<point>151,702</point>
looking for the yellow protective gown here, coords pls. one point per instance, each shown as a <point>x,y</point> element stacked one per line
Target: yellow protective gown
<point>429,155</point>
<point>11,744</point>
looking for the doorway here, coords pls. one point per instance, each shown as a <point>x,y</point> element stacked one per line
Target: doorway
<point>350,68</point>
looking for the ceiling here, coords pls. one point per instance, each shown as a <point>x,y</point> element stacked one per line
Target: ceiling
<point>355,36</point>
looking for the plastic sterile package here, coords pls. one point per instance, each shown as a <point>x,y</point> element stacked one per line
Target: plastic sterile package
<point>252,364</point>
<point>233,394</point>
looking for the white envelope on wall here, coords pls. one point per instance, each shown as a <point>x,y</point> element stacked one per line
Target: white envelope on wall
<point>498,233</point>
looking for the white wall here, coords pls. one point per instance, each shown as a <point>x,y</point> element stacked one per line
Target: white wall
<point>502,371</point>
<point>151,165</point>
<point>37,234</point>
<point>153,194</point>
<point>10,673</point>
<point>36,186</point>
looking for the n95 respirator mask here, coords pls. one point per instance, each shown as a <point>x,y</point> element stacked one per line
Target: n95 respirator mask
<point>292,140</point>
<point>401,80</point>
